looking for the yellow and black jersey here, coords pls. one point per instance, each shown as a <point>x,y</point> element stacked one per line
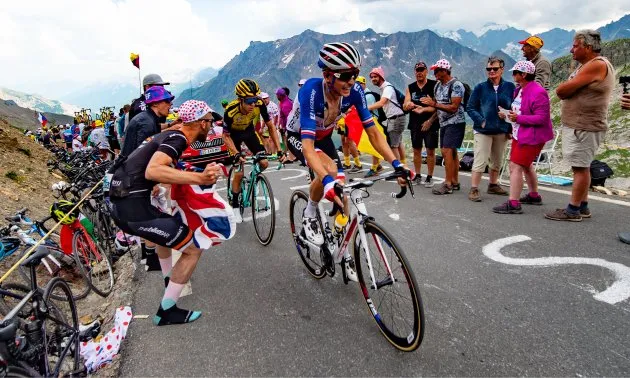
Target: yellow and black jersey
<point>235,121</point>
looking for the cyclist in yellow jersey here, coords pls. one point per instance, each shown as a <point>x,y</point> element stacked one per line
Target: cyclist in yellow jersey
<point>239,127</point>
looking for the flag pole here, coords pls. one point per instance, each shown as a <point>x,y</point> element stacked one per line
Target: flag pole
<point>139,81</point>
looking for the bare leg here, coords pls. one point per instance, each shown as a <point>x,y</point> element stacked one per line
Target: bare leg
<point>476,179</point>
<point>186,264</point>
<point>455,173</point>
<point>494,177</point>
<point>448,165</point>
<point>430,160</point>
<point>531,179</point>
<point>516,181</point>
<point>417,160</point>
<point>581,183</point>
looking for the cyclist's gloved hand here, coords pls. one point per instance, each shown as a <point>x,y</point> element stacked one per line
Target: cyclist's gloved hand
<point>237,159</point>
<point>281,156</point>
<point>399,167</point>
<point>332,189</point>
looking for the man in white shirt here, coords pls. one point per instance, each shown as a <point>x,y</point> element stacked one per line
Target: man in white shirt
<point>396,119</point>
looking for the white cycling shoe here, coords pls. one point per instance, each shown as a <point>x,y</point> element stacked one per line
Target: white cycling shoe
<point>310,227</point>
<point>237,216</point>
<point>351,271</point>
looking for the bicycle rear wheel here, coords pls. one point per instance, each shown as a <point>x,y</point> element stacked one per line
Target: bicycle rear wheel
<point>311,259</point>
<point>61,330</point>
<point>263,210</point>
<point>94,263</point>
<point>392,295</point>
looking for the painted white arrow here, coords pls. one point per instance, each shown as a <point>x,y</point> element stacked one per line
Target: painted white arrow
<point>617,292</point>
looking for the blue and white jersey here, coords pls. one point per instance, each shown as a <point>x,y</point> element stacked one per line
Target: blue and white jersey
<point>309,110</point>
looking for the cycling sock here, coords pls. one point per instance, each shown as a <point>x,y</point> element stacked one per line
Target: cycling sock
<point>346,160</point>
<point>357,162</point>
<point>171,294</point>
<point>573,209</point>
<point>166,265</point>
<point>534,194</point>
<point>514,203</point>
<point>584,205</point>
<point>174,315</point>
<point>235,202</point>
<point>311,209</point>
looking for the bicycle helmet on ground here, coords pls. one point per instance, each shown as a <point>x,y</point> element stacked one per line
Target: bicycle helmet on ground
<point>247,88</point>
<point>338,56</point>
<point>58,211</point>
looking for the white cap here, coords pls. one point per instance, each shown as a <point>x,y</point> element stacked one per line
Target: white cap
<point>301,82</point>
<point>263,95</point>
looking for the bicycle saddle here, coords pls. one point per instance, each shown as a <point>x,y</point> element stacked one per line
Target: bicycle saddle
<point>36,257</point>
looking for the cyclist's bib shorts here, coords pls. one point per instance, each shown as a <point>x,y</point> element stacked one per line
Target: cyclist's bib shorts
<point>250,138</point>
<point>136,216</point>
<point>325,145</point>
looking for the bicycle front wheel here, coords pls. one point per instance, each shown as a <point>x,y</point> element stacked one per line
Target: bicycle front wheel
<point>93,263</point>
<point>311,259</point>
<point>263,210</point>
<point>61,330</point>
<point>389,288</point>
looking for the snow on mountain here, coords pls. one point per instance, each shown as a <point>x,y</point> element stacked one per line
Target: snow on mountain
<point>38,103</point>
<point>490,26</point>
<point>455,36</point>
<point>514,50</point>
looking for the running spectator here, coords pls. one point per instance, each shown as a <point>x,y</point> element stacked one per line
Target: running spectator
<point>449,96</point>
<point>531,51</point>
<point>285,104</point>
<point>490,132</point>
<point>530,116</point>
<point>147,123</point>
<point>393,110</point>
<point>584,113</point>
<point>274,114</point>
<point>424,127</point>
<point>139,105</point>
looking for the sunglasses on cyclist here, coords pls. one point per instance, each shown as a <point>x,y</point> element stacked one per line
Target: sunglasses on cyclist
<point>346,76</point>
<point>250,100</point>
<point>495,69</point>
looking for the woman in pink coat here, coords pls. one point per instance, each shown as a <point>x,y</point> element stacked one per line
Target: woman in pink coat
<point>531,129</point>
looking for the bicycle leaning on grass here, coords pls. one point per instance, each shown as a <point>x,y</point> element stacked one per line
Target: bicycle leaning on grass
<point>378,264</point>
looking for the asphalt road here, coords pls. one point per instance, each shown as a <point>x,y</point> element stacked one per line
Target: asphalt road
<point>555,305</point>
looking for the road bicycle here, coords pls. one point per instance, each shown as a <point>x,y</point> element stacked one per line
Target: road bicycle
<point>40,335</point>
<point>256,193</point>
<point>378,264</point>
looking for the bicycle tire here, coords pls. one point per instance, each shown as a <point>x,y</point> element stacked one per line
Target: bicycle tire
<point>407,340</point>
<point>88,253</point>
<point>256,217</point>
<point>62,340</point>
<point>312,261</point>
<point>8,303</point>
<point>18,372</point>
<point>241,201</point>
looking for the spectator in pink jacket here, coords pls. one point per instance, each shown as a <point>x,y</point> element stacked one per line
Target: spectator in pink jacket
<point>285,104</point>
<point>530,117</point>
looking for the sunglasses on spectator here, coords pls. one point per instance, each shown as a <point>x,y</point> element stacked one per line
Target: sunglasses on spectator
<point>516,73</point>
<point>495,69</point>
<point>420,69</point>
<point>346,76</point>
<point>250,100</point>
<point>207,120</point>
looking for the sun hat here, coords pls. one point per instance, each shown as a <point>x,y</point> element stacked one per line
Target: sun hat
<point>193,110</point>
<point>524,66</point>
<point>156,93</point>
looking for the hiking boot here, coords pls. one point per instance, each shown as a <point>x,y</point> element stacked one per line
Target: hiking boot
<point>443,189</point>
<point>370,173</point>
<point>457,186</point>
<point>529,200</point>
<point>497,189</point>
<point>355,169</point>
<point>428,182</point>
<point>417,180</point>
<point>585,213</point>
<point>506,208</point>
<point>474,195</point>
<point>563,215</point>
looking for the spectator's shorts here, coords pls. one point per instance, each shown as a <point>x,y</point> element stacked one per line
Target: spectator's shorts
<point>489,148</point>
<point>395,128</point>
<point>429,138</point>
<point>452,136</point>
<point>524,154</point>
<point>579,147</point>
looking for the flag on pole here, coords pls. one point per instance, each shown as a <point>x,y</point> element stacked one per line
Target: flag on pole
<point>135,60</point>
<point>42,119</point>
<point>357,133</point>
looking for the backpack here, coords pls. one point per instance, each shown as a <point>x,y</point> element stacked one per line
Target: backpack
<point>400,98</point>
<point>380,116</point>
<point>466,162</point>
<point>600,171</point>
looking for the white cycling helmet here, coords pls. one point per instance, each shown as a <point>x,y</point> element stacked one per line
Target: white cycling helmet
<point>338,56</point>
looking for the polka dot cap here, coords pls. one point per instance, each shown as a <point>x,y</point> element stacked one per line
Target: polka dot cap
<point>524,66</point>
<point>442,63</point>
<point>193,110</point>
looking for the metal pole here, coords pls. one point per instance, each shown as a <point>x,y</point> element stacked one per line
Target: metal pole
<point>139,81</point>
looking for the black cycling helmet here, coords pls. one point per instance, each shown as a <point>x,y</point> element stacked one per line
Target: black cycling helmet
<point>247,88</point>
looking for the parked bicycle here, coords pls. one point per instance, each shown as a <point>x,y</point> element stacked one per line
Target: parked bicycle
<point>378,264</point>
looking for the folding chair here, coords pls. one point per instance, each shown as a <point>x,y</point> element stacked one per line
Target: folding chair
<point>546,158</point>
<point>505,167</point>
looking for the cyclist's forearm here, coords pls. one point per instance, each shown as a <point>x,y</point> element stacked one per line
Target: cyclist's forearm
<point>379,143</point>
<point>230,144</point>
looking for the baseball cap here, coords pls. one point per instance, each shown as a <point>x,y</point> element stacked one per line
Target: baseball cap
<point>524,66</point>
<point>379,71</point>
<point>420,64</point>
<point>98,123</point>
<point>442,63</point>
<point>153,79</point>
<point>301,82</point>
<point>264,95</point>
<point>360,79</point>
<point>533,41</point>
<point>193,110</point>
<point>281,92</point>
<point>155,94</point>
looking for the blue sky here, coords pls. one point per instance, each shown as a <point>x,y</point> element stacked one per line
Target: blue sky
<point>55,47</point>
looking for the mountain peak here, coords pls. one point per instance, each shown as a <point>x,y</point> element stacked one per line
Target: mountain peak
<point>490,26</point>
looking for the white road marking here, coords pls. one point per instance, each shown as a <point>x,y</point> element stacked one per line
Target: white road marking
<point>617,292</point>
<point>301,173</point>
<point>394,216</point>
<point>265,213</point>
<point>300,187</point>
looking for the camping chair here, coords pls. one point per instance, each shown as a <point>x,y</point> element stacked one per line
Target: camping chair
<point>505,167</point>
<point>546,158</point>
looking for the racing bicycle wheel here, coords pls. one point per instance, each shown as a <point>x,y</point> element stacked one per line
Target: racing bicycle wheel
<point>93,262</point>
<point>263,210</point>
<point>311,259</point>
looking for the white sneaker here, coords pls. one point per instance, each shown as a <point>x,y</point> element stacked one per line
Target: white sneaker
<point>237,216</point>
<point>351,271</point>
<point>310,226</point>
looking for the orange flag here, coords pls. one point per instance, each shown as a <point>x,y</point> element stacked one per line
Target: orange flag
<point>135,60</point>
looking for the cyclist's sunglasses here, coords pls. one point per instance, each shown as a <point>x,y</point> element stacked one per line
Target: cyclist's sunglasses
<point>250,100</point>
<point>346,76</point>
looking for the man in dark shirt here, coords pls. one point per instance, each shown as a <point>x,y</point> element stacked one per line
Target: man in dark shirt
<point>139,105</point>
<point>424,128</point>
<point>131,182</point>
<point>148,123</point>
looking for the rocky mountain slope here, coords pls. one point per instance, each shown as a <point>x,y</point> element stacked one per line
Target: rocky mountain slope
<point>36,102</point>
<point>12,113</point>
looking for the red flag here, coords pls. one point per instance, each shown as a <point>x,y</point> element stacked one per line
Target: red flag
<point>135,60</point>
<point>358,135</point>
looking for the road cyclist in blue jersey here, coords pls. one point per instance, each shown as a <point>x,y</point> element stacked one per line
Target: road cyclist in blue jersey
<point>320,104</point>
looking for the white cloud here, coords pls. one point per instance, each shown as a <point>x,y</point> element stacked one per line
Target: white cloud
<point>54,47</point>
